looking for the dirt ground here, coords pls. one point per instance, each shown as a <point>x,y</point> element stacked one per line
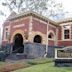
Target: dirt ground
<point>12,66</point>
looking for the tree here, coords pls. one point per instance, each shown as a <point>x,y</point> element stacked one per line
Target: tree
<point>1,13</point>
<point>48,8</point>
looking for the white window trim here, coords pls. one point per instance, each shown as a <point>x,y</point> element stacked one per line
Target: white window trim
<point>62,34</point>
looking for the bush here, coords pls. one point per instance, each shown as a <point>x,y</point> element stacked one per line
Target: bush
<point>2,56</point>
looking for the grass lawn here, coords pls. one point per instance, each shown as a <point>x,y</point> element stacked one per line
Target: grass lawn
<point>2,63</point>
<point>47,67</point>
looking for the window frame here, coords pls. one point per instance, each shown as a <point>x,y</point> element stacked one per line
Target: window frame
<point>5,31</point>
<point>63,35</point>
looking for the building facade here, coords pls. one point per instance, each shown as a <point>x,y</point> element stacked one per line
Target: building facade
<point>34,28</point>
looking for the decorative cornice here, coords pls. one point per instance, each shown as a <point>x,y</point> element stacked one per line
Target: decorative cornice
<point>64,21</point>
<point>39,16</point>
<point>34,14</point>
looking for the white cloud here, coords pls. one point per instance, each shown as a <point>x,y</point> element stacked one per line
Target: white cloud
<point>67,4</point>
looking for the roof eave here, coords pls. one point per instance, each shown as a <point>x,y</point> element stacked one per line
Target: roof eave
<point>31,13</point>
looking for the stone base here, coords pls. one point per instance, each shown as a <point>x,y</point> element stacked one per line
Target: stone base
<point>63,62</point>
<point>16,56</point>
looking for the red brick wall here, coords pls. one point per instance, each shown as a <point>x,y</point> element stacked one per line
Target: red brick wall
<point>59,33</point>
<point>65,43</point>
<point>39,26</point>
<point>13,23</point>
<point>52,28</point>
<point>71,31</point>
<point>24,21</point>
<point>51,43</point>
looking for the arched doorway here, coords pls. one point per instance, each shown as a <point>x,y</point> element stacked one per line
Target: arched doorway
<point>18,46</point>
<point>37,39</point>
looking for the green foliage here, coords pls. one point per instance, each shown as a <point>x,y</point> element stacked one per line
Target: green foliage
<point>47,67</point>
<point>39,61</point>
<point>2,63</point>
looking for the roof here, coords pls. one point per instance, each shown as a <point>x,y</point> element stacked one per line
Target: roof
<point>34,14</point>
<point>14,16</point>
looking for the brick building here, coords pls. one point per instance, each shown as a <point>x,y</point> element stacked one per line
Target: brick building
<point>34,28</point>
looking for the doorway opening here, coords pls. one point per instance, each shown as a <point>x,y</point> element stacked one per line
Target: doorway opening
<point>18,46</point>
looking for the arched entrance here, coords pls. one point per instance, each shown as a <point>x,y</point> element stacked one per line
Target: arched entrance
<point>37,39</point>
<point>18,46</point>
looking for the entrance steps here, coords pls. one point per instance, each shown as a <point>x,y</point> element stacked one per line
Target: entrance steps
<point>16,56</point>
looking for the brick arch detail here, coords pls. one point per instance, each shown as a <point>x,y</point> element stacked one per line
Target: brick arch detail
<point>34,33</point>
<point>16,32</point>
<point>52,41</point>
<point>51,31</point>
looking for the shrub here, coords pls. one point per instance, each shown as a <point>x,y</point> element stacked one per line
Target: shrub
<point>2,56</point>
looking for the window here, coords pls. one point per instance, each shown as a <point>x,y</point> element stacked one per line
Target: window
<point>37,39</point>
<point>66,31</point>
<point>6,29</point>
<point>6,33</point>
<point>66,34</point>
<point>50,36</point>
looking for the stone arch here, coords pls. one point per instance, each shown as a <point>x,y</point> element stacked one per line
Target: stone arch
<point>34,33</point>
<point>51,38</point>
<point>37,39</point>
<point>52,34</point>
<point>16,32</point>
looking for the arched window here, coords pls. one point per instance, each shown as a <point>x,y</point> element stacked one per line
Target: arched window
<point>37,39</point>
<point>51,36</point>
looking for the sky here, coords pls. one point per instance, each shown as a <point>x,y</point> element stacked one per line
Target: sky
<point>67,6</point>
<point>4,9</point>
